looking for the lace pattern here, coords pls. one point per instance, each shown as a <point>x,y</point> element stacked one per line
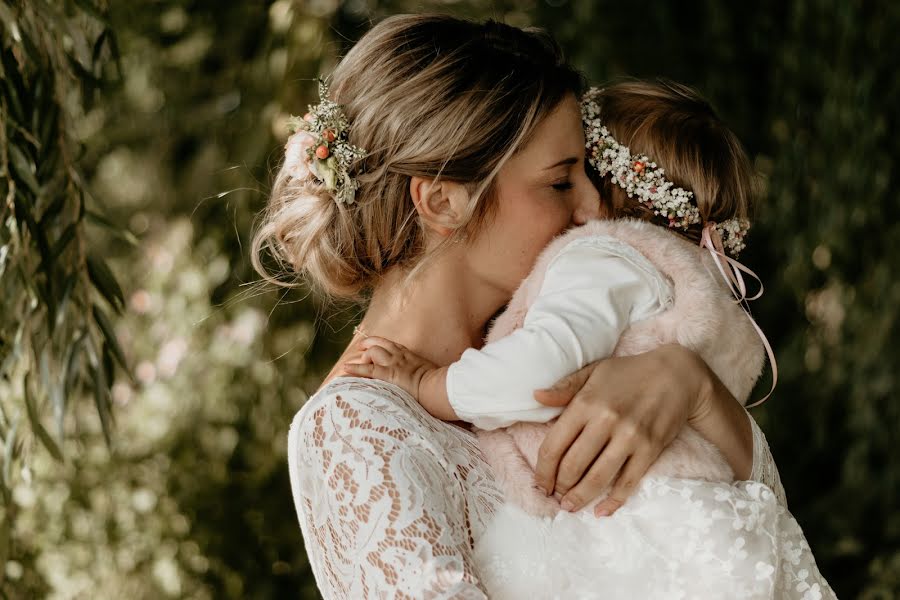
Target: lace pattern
<point>391,501</point>
<point>764,469</point>
<point>673,539</point>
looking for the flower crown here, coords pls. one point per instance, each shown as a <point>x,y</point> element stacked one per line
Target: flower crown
<point>639,176</point>
<point>318,146</point>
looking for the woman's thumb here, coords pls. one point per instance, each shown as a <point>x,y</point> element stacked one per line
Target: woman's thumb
<point>565,389</point>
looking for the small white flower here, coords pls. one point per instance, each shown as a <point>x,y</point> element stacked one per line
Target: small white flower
<point>763,570</point>
<point>296,159</point>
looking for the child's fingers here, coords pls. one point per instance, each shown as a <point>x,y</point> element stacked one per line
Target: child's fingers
<point>360,369</point>
<point>385,343</point>
<point>380,356</point>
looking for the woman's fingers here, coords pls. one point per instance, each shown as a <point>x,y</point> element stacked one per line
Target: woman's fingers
<point>581,455</point>
<point>625,485</point>
<point>598,476</point>
<point>565,389</point>
<point>557,441</point>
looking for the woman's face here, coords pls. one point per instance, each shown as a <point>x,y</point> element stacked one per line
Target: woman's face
<point>541,191</point>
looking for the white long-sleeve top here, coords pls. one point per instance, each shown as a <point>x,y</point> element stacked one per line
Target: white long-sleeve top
<point>592,291</point>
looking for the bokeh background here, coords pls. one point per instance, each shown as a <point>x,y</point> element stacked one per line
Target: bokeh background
<point>147,381</point>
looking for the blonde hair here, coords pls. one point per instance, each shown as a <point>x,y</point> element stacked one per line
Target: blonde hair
<point>429,96</point>
<point>680,131</point>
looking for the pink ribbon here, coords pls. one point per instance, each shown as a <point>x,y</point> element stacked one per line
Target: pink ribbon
<point>731,273</point>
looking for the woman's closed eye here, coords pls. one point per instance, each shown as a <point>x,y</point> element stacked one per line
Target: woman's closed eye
<point>562,186</point>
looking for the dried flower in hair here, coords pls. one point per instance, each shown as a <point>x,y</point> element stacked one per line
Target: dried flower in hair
<point>318,146</point>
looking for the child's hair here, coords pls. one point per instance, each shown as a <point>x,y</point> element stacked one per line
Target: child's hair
<point>680,131</point>
<point>425,95</point>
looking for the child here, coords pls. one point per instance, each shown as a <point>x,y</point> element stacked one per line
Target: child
<point>621,287</point>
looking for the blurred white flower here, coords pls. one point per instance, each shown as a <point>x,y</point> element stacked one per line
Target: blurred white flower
<point>23,495</point>
<point>170,356</point>
<point>166,573</point>
<point>145,372</point>
<point>246,326</point>
<point>143,500</point>
<point>141,301</point>
<point>121,393</point>
<point>14,569</point>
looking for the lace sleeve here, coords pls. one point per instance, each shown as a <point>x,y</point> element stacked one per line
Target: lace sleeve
<point>764,469</point>
<point>380,513</point>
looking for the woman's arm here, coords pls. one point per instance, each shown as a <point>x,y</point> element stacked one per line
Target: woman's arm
<point>380,516</point>
<point>722,420</point>
<point>627,410</point>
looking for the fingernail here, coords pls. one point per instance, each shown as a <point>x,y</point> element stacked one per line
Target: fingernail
<point>602,512</point>
<point>567,505</point>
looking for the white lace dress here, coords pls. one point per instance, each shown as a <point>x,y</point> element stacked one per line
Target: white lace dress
<point>391,501</point>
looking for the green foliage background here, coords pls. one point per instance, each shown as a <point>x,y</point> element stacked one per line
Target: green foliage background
<point>155,150</point>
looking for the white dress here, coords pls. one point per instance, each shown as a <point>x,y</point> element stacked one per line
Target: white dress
<point>391,500</point>
<point>675,537</point>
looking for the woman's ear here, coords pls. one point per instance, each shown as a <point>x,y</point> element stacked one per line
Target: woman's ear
<point>441,204</point>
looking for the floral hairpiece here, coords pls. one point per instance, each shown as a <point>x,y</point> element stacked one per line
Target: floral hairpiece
<point>318,146</point>
<point>639,176</point>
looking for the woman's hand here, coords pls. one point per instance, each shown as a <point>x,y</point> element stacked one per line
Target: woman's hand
<point>624,409</point>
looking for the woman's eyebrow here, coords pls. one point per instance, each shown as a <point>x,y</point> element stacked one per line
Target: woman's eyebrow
<point>566,161</point>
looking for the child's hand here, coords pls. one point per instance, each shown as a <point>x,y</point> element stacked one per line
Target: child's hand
<point>421,378</point>
<point>389,361</point>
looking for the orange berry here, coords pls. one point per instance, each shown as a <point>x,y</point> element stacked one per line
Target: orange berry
<point>322,152</point>
<point>328,135</point>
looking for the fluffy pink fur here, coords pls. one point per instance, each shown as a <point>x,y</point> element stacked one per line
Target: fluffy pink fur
<point>704,318</point>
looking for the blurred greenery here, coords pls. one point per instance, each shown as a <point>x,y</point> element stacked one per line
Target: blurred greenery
<point>143,136</point>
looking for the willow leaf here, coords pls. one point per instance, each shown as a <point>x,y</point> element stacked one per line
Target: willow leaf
<point>106,327</point>
<point>9,453</point>
<point>65,237</point>
<point>92,10</point>
<point>66,295</point>
<point>101,398</point>
<point>54,187</point>
<point>105,282</point>
<point>22,166</point>
<point>36,425</point>
<point>102,221</point>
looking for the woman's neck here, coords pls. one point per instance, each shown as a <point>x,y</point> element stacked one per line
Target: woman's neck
<point>439,314</point>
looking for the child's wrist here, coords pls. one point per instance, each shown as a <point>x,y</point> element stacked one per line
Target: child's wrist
<point>433,391</point>
<point>429,383</point>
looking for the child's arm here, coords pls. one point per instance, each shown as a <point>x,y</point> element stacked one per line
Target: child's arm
<point>592,290</point>
<point>420,378</point>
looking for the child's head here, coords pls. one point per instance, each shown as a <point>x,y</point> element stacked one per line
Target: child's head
<point>677,129</point>
<point>425,96</point>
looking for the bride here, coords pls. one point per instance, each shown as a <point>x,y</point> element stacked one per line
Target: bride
<point>425,183</point>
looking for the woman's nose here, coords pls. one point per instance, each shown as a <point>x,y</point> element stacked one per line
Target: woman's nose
<point>588,206</point>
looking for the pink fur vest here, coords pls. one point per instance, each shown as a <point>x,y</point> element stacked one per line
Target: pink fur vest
<point>704,318</point>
